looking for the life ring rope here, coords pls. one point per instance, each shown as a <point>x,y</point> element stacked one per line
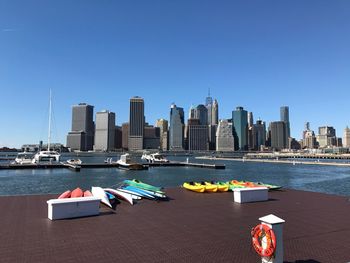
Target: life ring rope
<point>258,233</point>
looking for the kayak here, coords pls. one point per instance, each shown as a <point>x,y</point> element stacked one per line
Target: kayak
<point>269,186</point>
<point>134,196</point>
<point>100,193</point>
<point>125,196</point>
<point>211,188</point>
<point>139,184</point>
<point>222,187</point>
<point>66,194</point>
<point>193,187</point>
<point>139,191</point>
<point>87,193</point>
<point>77,192</point>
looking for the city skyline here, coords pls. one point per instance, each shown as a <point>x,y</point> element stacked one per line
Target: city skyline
<point>258,55</point>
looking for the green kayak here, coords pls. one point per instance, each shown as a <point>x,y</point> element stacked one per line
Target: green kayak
<point>139,184</point>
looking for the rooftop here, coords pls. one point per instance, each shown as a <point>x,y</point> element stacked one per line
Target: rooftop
<point>191,227</point>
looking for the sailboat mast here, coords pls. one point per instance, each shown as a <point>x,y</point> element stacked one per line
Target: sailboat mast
<point>49,135</point>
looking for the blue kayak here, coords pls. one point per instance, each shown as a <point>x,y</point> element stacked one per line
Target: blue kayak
<point>141,192</point>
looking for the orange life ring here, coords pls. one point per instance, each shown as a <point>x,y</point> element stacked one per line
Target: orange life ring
<point>257,233</point>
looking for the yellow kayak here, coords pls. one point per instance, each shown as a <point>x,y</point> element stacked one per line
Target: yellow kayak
<point>212,188</point>
<point>194,187</point>
<point>222,187</point>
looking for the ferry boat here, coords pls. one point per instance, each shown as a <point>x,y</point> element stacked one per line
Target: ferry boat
<point>126,163</point>
<point>154,158</point>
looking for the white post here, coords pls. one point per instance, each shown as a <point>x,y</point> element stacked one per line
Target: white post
<point>276,224</point>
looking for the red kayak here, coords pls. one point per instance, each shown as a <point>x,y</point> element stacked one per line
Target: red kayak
<point>87,193</point>
<point>66,194</point>
<point>77,192</point>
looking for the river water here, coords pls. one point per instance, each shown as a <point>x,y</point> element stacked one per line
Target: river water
<point>316,178</point>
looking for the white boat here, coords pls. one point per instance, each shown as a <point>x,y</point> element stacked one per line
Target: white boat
<point>125,162</point>
<point>100,193</point>
<point>47,155</point>
<point>127,197</point>
<point>154,158</point>
<point>24,158</point>
<point>74,161</point>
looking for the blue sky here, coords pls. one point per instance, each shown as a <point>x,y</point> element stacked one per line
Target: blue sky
<point>256,54</point>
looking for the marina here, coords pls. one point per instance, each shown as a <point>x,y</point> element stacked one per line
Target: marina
<point>190,227</point>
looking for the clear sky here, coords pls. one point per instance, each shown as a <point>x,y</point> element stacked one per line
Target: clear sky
<point>257,54</point>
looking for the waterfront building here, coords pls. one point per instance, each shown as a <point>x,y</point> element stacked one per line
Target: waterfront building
<point>346,137</point>
<point>212,137</point>
<point>118,137</point>
<point>240,128</point>
<point>163,126</point>
<point>309,138</point>
<point>176,128</point>
<point>136,123</point>
<point>151,137</point>
<point>277,133</point>
<point>258,135</point>
<point>192,112</point>
<point>215,113</point>
<point>105,131</point>
<point>125,136</point>
<point>201,113</point>
<point>197,136</point>
<point>250,131</point>
<point>224,137</point>
<point>284,113</point>
<point>209,106</point>
<point>81,137</point>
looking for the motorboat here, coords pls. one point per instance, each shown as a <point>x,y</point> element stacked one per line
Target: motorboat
<point>24,158</point>
<point>46,156</point>
<point>126,163</point>
<point>74,161</point>
<point>154,158</point>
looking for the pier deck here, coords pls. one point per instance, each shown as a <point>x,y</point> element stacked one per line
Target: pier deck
<point>191,227</point>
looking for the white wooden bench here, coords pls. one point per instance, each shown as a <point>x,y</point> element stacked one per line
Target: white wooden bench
<point>73,207</point>
<point>254,194</point>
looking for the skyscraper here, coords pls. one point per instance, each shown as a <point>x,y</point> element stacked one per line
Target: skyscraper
<point>326,136</point>
<point>197,136</point>
<point>215,113</point>
<point>105,131</point>
<point>258,135</point>
<point>224,137</point>
<point>346,137</point>
<point>277,132</point>
<point>136,123</point>
<point>125,136</point>
<point>82,135</point>
<point>284,111</point>
<point>240,127</point>
<point>201,113</point>
<point>176,129</point>
<point>163,125</point>
<point>209,106</point>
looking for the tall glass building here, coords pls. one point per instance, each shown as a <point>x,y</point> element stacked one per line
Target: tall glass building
<point>176,129</point>
<point>240,128</point>
<point>284,111</point>
<point>136,123</point>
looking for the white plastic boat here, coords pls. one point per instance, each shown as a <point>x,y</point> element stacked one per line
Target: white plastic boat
<point>100,193</point>
<point>127,197</point>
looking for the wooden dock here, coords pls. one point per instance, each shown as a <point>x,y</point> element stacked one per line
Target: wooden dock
<point>106,165</point>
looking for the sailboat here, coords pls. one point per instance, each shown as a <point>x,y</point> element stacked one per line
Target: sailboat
<point>48,155</point>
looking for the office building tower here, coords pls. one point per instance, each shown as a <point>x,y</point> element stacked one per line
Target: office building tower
<point>118,137</point>
<point>104,131</point>
<point>136,123</point>
<point>284,112</point>
<point>209,106</point>
<point>197,137</point>
<point>163,125</point>
<point>250,119</point>
<point>176,129</point>
<point>326,136</point>
<point>346,137</point>
<point>201,113</point>
<point>192,112</point>
<point>240,128</point>
<point>258,135</point>
<point>309,138</point>
<point>224,137</point>
<point>215,113</point>
<point>81,137</point>
<point>151,138</point>
<point>277,133</point>
<point>125,136</point>
<point>212,137</point>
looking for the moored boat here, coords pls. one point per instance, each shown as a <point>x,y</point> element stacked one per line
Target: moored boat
<point>154,158</point>
<point>74,161</point>
<point>126,163</point>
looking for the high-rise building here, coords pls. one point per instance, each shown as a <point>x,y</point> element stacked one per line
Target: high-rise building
<point>284,111</point>
<point>209,106</point>
<point>197,136</point>
<point>192,112</point>
<point>240,128</point>
<point>151,138</point>
<point>224,137</point>
<point>163,125</point>
<point>326,136</point>
<point>215,113</point>
<point>125,136</point>
<point>277,131</point>
<point>201,113</point>
<point>118,137</point>
<point>136,123</point>
<point>105,131</point>
<point>81,137</point>
<point>309,138</point>
<point>346,137</point>
<point>250,119</point>
<point>212,137</point>
<point>258,135</point>
<point>176,128</point>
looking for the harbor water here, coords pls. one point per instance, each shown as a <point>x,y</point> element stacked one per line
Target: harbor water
<point>316,178</point>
